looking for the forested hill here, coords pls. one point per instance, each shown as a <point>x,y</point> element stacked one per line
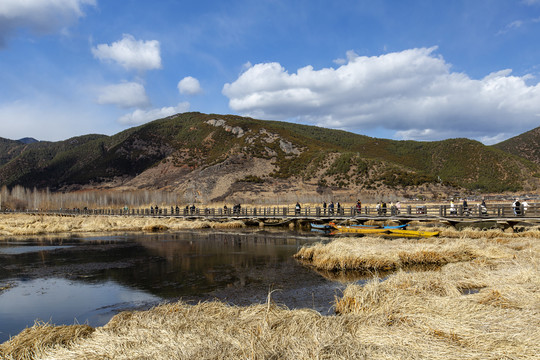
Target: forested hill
<point>526,145</point>
<point>222,155</point>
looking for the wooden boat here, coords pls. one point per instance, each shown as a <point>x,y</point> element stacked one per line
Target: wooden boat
<point>361,230</point>
<point>396,227</point>
<point>360,226</point>
<point>413,233</point>
<point>379,227</point>
<point>322,226</point>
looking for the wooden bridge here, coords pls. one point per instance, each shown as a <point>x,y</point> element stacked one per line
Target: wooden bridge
<point>505,215</point>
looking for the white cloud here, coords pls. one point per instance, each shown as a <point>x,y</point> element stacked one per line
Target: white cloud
<point>125,95</point>
<point>490,140</point>
<point>351,55</point>
<point>513,25</point>
<point>189,86</point>
<point>142,116</point>
<point>412,92</point>
<point>130,53</point>
<point>40,16</point>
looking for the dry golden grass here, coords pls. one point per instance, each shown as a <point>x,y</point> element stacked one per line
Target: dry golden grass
<point>32,343</point>
<point>472,233</point>
<point>407,316</point>
<point>217,331</point>
<point>379,254</point>
<point>28,224</point>
<point>482,303</point>
<point>499,321</point>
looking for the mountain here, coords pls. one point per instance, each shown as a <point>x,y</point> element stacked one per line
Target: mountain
<point>219,157</point>
<point>526,145</point>
<point>28,140</point>
<point>9,149</point>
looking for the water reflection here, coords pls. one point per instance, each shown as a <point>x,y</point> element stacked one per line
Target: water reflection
<point>61,301</point>
<point>102,275</point>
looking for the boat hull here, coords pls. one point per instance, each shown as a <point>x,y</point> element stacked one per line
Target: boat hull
<point>413,233</point>
<point>322,227</point>
<point>361,230</point>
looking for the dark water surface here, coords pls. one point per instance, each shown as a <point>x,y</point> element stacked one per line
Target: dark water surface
<point>89,279</point>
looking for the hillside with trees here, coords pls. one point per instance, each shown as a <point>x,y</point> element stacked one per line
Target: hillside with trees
<point>211,158</point>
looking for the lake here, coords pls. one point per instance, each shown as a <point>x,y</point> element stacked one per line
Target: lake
<point>89,279</point>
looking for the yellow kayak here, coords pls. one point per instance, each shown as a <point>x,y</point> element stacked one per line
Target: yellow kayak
<point>414,233</point>
<point>361,230</point>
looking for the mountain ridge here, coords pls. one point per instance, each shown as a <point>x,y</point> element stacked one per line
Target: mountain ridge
<point>217,157</point>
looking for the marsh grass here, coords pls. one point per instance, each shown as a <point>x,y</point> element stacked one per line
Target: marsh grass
<point>34,342</point>
<point>482,302</point>
<point>422,315</point>
<point>29,224</point>
<point>370,254</point>
<point>500,319</point>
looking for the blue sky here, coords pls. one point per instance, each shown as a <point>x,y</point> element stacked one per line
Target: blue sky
<point>420,70</point>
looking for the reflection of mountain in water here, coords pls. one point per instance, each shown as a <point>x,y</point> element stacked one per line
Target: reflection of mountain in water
<point>116,272</point>
<point>197,263</point>
<point>238,267</point>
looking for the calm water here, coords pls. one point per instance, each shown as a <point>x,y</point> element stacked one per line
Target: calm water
<point>90,279</point>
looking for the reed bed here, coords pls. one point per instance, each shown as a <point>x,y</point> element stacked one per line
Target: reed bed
<point>404,317</point>
<point>29,224</point>
<point>32,343</point>
<point>472,233</point>
<point>379,254</point>
<point>483,310</point>
<point>483,302</point>
<point>217,331</point>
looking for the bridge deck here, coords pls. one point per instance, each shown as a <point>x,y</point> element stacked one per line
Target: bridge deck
<point>503,214</point>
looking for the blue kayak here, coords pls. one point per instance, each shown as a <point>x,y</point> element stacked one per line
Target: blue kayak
<point>322,226</point>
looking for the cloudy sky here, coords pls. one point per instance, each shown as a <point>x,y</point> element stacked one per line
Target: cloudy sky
<point>407,69</point>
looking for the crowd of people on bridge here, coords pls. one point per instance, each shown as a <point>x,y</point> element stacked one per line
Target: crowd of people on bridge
<point>381,207</point>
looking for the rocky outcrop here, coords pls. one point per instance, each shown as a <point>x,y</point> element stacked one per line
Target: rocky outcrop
<point>236,130</point>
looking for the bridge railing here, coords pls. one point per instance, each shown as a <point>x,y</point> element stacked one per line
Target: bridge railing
<point>474,210</point>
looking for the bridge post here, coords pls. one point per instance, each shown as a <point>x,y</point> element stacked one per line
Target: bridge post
<point>409,209</point>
